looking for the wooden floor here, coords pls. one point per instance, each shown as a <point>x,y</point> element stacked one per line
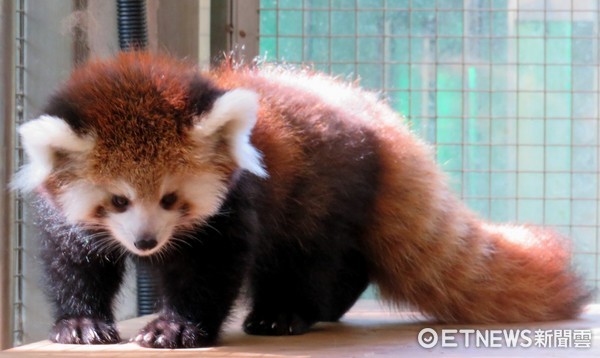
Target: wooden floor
<point>368,330</point>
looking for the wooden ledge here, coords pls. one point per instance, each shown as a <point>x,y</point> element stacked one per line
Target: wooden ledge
<point>369,329</point>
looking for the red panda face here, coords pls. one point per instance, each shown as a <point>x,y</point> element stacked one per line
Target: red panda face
<point>142,147</point>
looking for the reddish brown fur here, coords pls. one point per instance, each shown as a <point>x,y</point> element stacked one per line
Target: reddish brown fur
<point>271,135</point>
<point>121,149</point>
<point>425,247</point>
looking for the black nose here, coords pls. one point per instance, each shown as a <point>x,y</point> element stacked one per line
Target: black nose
<point>146,242</point>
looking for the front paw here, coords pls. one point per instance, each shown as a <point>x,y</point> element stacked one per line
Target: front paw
<point>173,333</point>
<point>84,331</point>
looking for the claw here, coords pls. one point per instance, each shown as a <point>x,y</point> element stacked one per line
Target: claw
<point>173,333</point>
<point>84,331</point>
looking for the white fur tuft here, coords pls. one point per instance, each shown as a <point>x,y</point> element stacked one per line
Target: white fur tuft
<point>41,138</point>
<point>235,112</point>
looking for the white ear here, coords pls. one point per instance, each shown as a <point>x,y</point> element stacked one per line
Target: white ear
<point>234,115</point>
<point>42,138</point>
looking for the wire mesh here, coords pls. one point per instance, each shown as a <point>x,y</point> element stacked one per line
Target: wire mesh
<point>507,91</point>
<point>18,244</point>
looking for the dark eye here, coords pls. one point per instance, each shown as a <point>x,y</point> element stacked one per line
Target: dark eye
<point>168,201</point>
<point>120,202</point>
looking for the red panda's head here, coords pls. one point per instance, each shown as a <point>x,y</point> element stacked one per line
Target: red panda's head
<point>141,146</point>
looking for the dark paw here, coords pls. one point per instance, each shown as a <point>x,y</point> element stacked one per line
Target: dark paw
<point>84,331</point>
<point>275,324</point>
<point>172,333</point>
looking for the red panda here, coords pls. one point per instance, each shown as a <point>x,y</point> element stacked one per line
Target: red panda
<point>306,187</point>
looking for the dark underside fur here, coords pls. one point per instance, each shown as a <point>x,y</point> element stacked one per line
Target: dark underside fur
<point>302,266</point>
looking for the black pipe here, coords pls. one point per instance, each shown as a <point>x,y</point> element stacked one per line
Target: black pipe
<point>131,16</point>
<point>147,289</point>
<point>131,20</point>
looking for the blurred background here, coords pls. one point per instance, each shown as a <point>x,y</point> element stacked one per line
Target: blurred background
<point>506,90</point>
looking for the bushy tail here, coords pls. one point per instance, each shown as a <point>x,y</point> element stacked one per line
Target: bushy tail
<point>494,274</point>
<point>432,252</point>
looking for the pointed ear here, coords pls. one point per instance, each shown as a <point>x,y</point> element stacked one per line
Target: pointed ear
<point>233,116</point>
<point>43,138</point>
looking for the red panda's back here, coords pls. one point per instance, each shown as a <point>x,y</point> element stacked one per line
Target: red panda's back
<point>423,245</point>
<point>321,153</point>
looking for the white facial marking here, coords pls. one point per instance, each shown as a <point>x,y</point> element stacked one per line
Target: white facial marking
<point>139,220</point>
<point>79,200</point>
<point>204,193</point>
<point>235,112</point>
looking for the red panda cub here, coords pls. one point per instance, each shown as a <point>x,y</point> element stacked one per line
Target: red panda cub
<point>307,188</point>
